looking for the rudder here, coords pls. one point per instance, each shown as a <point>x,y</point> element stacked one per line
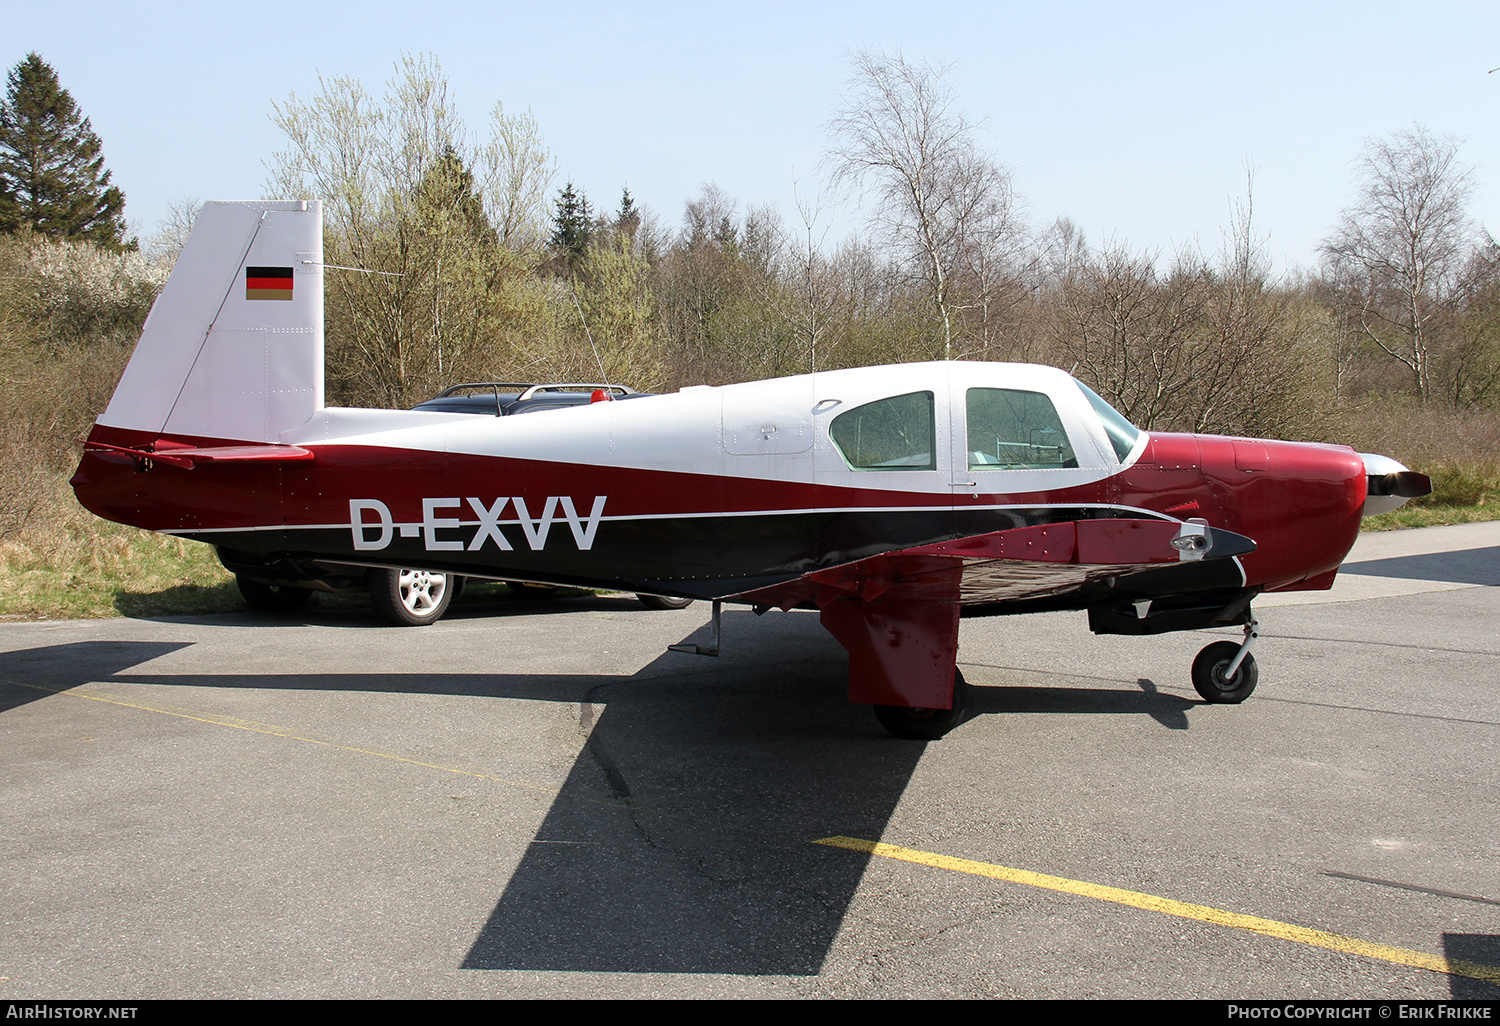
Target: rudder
<point>233,346</point>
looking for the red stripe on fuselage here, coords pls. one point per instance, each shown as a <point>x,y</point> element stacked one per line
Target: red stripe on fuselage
<point>1301,504</point>
<point>319,492</point>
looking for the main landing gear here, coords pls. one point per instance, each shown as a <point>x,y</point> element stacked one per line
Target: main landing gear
<point>277,598</point>
<point>925,724</point>
<point>1225,673</point>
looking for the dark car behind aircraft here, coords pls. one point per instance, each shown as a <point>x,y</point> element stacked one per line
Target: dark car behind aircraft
<point>413,598</point>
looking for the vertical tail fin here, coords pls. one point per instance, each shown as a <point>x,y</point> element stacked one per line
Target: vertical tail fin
<point>233,347</point>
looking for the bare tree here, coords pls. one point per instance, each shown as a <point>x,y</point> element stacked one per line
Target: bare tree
<point>1401,248</point>
<point>1209,345</point>
<point>811,283</point>
<point>794,282</point>
<point>1470,372</point>
<point>1129,332</point>
<point>517,171</point>
<point>410,201</point>
<point>172,231</point>
<point>938,198</point>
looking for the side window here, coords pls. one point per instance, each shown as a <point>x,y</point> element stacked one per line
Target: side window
<point>1010,429</point>
<point>889,434</point>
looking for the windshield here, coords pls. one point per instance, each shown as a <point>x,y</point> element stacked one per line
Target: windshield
<point>1122,434</point>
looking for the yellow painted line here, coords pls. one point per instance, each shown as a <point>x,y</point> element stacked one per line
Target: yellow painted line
<point>274,731</point>
<point>1119,896</point>
<point>1182,909</point>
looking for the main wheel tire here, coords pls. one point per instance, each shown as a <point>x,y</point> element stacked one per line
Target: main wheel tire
<point>926,724</point>
<point>277,598</point>
<point>409,598</point>
<point>1210,680</point>
<point>664,602</point>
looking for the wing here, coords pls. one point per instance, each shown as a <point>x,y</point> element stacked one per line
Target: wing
<point>897,612</point>
<point>1012,565</point>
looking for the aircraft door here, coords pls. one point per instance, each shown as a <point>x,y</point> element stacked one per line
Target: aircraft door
<point>767,450</point>
<point>882,459</point>
<point>1008,446</point>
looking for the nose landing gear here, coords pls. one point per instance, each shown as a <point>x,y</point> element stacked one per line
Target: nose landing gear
<point>1225,673</point>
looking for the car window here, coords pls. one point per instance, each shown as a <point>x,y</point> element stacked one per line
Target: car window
<point>888,434</point>
<point>1010,429</point>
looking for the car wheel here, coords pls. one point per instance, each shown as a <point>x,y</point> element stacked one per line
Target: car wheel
<point>409,598</point>
<point>664,602</point>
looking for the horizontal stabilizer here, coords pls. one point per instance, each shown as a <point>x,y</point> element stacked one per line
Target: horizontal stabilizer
<point>188,456</point>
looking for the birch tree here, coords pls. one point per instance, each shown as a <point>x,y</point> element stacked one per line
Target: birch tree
<point>1402,246</point>
<point>938,199</point>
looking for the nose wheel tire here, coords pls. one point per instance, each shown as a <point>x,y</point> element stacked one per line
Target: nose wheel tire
<point>409,598</point>
<point>925,724</point>
<point>1210,677</point>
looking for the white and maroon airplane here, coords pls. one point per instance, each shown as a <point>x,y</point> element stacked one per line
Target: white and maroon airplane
<point>892,500</point>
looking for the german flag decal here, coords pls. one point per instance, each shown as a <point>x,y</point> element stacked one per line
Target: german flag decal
<point>268,283</point>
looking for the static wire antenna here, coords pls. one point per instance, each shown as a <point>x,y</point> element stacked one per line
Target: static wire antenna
<point>585,322</point>
<point>361,270</point>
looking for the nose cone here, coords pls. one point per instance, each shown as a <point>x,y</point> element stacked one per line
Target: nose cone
<point>1390,484</point>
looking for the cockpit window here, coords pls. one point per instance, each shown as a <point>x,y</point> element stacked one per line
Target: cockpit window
<point>888,434</point>
<point>1122,434</point>
<point>1010,429</point>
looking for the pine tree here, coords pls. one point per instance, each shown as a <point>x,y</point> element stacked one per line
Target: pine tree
<point>446,193</point>
<point>628,217</point>
<point>52,175</point>
<point>572,224</point>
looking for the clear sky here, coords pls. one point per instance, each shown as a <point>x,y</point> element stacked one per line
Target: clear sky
<point>1134,120</point>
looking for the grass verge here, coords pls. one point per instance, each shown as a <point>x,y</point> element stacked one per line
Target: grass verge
<point>81,571</point>
<point>1431,516</point>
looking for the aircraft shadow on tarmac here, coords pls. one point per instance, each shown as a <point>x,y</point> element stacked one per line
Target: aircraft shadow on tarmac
<point>60,667</point>
<point>1479,949</point>
<point>679,841</point>
<point>1469,566</point>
